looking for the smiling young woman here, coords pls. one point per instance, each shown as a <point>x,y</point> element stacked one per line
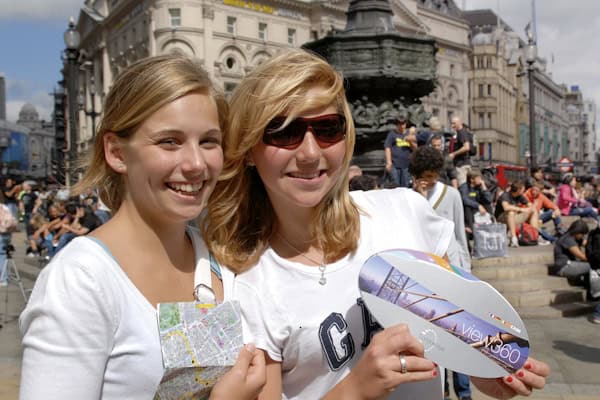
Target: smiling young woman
<point>90,329</point>
<point>282,216</point>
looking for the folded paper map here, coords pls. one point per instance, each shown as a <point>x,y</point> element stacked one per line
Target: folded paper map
<point>199,342</point>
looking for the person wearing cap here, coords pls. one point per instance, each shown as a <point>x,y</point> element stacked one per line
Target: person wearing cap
<point>569,202</point>
<point>399,145</point>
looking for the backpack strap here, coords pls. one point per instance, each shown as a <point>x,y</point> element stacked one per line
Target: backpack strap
<point>437,203</point>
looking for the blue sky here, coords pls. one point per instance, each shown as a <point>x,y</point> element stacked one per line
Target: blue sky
<point>31,42</point>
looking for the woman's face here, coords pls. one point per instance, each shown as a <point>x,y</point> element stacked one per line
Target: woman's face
<point>173,160</point>
<point>300,177</point>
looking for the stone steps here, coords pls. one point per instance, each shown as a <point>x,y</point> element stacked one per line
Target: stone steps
<point>523,279</point>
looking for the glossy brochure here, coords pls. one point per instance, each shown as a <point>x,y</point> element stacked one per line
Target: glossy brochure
<point>463,322</point>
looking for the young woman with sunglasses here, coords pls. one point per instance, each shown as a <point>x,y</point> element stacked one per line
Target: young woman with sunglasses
<point>90,329</point>
<point>282,213</point>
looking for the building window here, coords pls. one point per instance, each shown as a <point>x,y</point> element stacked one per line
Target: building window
<point>489,90</point>
<point>435,112</point>
<point>314,34</point>
<point>291,37</point>
<point>481,120</point>
<point>175,14</point>
<point>451,69</point>
<point>480,90</point>
<point>262,31</point>
<point>490,120</point>
<point>231,22</point>
<point>488,61</point>
<point>230,63</point>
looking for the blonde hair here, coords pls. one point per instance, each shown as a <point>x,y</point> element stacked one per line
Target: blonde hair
<point>138,92</point>
<point>37,221</point>
<point>240,219</point>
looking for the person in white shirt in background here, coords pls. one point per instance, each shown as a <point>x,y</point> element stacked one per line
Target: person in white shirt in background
<point>425,165</point>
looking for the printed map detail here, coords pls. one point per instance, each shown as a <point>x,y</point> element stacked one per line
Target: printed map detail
<point>199,343</point>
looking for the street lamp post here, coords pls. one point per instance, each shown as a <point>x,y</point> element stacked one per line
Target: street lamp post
<point>72,39</point>
<point>530,56</point>
<point>92,112</point>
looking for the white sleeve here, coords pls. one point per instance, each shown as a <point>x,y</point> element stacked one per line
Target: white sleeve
<point>260,320</point>
<point>459,232</point>
<point>68,330</point>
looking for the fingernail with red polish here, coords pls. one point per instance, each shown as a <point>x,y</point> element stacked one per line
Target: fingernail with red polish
<point>435,365</point>
<point>520,374</point>
<point>435,372</point>
<point>528,366</point>
<point>509,379</point>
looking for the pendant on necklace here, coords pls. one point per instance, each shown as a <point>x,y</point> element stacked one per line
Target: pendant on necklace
<point>322,280</point>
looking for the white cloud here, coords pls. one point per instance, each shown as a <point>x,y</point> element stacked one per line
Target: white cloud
<point>39,9</point>
<point>12,110</point>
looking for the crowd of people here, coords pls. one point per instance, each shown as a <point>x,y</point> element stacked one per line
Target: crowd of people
<point>49,216</point>
<point>427,162</point>
<point>265,176</point>
<point>532,207</point>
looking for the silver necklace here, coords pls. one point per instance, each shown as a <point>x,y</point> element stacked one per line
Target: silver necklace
<point>321,264</point>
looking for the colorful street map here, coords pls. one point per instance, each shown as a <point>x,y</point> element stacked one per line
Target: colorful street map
<point>200,343</point>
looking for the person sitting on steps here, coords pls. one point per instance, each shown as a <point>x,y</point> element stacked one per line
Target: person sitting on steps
<point>512,208</point>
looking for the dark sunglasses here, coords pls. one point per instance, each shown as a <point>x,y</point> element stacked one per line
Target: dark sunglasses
<point>328,130</point>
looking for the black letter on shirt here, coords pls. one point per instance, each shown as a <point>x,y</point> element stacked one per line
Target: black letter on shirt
<point>370,326</point>
<point>335,360</point>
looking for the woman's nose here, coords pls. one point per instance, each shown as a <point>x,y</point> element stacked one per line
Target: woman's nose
<point>193,159</point>
<point>309,149</point>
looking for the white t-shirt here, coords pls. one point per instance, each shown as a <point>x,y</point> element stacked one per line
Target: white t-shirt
<point>319,332</point>
<point>89,333</point>
<point>451,207</point>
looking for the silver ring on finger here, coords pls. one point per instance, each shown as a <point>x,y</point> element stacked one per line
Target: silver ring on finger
<point>403,368</point>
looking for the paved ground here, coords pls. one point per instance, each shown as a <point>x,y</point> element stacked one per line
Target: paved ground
<point>571,346</point>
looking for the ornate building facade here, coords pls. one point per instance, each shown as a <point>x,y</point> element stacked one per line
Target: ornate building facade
<point>499,97</point>
<point>495,89</point>
<point>230,37</point>
<point>551,126</point>
<point>26,146</point>
<point>443,21</point>
<point>591,145</point>
<point>578,133</point>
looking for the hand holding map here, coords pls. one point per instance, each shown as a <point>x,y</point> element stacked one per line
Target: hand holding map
<point>200,343</point>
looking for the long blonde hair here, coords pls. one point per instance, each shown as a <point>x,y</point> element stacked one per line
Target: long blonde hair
<point>138,92</point>
<point>240,219</point>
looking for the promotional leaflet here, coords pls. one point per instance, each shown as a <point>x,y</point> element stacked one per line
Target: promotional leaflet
<point>464,323</point>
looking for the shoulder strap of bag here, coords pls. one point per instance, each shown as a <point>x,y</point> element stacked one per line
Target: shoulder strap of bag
<point>437,203</point>
<point>203,291</point>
